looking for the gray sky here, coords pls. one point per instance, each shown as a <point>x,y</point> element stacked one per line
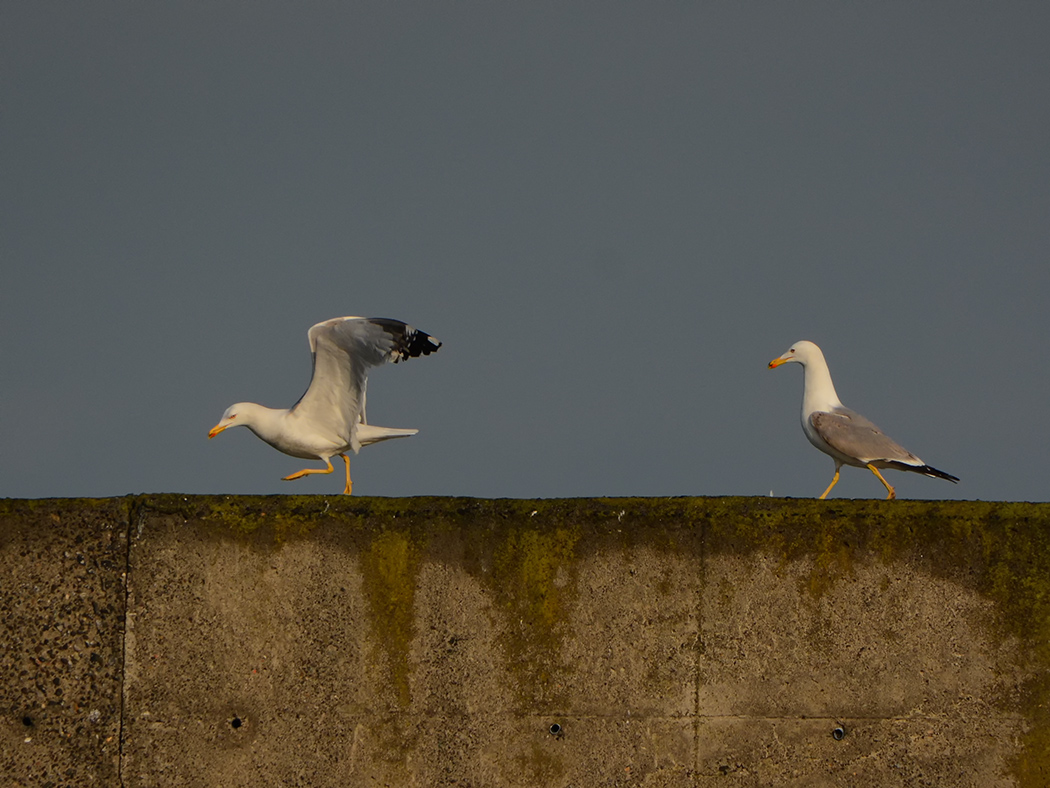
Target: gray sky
<point>612,215</point>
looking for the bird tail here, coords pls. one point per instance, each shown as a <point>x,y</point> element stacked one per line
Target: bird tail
<point>370,433</point>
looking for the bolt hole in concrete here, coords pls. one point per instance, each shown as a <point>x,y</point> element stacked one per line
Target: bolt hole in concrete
<point>236,722</point>
<point>556,730</point>
<point>839,733</point>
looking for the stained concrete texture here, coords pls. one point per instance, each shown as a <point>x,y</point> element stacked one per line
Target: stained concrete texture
<point>62,570</point>
<point>685,642</point>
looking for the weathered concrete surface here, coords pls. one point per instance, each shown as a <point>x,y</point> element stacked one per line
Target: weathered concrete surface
<point>684,642</point>
<point>62,567</point>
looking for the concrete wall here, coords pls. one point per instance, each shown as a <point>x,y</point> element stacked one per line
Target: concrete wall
<point>311,641</point>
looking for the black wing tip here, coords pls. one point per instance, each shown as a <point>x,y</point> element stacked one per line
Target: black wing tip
<point>925,470</point>
<point>931,471</point>
<point>408,342</point>
<point>418,343</point>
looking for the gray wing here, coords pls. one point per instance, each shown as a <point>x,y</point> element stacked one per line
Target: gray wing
<point>344,349</point>
<point>371,341</point>
<point>849,433</point>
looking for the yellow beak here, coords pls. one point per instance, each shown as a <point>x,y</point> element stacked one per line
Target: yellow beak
<point>215,430</point>
<point>777,362</point>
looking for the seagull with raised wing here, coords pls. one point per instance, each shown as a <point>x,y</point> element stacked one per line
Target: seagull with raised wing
<point>846,436</point>
<point>329,419</point>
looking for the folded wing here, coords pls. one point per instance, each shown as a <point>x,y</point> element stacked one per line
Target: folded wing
<point>851,434</point>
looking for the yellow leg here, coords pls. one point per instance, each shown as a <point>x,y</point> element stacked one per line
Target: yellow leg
<point>349,484</point>
<point>833,483</point>
<point>893,493</point>
<point>308,471</point>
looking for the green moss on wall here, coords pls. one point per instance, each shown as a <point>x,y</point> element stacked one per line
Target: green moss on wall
<point>527,552</point>
<point>1002,550</point>
<point>273,517</point>
<point>389,566</point>
<point>533,579</point>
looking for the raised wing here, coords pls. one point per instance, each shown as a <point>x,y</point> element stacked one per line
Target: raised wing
<point>851,434</point>
<point>344,349</point>
<point>373,340</point>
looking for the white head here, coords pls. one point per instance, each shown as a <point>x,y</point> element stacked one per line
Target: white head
<point>238,415</point>
<point>801,352</point>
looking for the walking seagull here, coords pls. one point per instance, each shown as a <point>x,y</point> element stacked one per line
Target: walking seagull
<point>329,419</point>
<point>848,437</point>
